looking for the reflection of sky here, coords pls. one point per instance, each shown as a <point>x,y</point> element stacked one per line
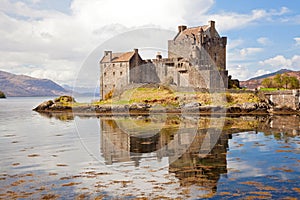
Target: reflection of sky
<point>257,155</point>
<point>262,160</point>
<point>76,144</point>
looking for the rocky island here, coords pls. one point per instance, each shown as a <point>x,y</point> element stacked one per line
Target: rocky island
<point>163,100</point>
<point>192,79</point>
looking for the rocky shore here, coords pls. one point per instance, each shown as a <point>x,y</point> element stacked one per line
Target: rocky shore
<point>67,105</point>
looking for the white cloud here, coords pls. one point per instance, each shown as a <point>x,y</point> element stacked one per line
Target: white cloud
<point>250,51</point>
<point>263,41</point>
<point>240,72</point>
<point>232,44</point>
<point>297,40</point>
<point>261,72</point>
<point>51,43</point>
<point>280,62</point>
<point>228,21</point>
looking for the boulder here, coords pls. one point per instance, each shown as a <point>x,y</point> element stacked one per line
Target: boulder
<point>64,99</point>
<point>249,106</point>
<point>139,107</point>
<point>234,109</point>
<point>191,105</point>
<point>44,106</point>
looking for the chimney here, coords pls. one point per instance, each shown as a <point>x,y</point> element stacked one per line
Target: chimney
<point>212,23</point>
<point>136,51</point>
<point>109,54</point>
<point>181,28</point>
<point>158,56</point>
<point>212,28</point>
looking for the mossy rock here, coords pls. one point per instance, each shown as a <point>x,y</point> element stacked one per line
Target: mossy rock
<point>64,99</point>
<point>2,95</point>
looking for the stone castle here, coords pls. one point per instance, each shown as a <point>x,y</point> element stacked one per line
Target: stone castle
<point>196,59</point>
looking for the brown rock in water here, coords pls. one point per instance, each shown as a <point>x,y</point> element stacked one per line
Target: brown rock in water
<point>43,106</point>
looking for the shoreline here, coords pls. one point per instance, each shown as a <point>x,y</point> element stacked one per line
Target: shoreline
<point>145,104</point>
<point>147,110</point>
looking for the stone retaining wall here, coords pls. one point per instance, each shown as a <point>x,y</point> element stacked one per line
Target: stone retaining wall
<point>284,98</point>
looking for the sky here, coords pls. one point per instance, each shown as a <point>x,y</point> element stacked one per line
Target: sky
<point>54,39</point>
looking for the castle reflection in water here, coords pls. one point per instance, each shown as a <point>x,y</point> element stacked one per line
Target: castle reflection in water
<point>196,148</point>
<point>196,153</point>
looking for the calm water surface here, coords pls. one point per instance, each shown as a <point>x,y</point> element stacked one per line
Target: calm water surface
<point>159,156</point>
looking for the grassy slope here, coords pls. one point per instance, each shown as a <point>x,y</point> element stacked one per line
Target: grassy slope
<point>166,97</point>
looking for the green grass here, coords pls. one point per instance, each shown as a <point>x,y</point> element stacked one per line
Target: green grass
<point>270,89</point>
<point>167,98</point>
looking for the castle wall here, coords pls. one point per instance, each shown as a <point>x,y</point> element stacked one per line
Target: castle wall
<point>216,49</point>
<point>180,48</point>
<point>115,76</point>
<point>195,59</point>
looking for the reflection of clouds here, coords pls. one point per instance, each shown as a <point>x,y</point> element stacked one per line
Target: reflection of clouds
<point>245,169</point>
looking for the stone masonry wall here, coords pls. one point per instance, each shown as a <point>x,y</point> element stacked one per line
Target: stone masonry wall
<point>288,98</point>
<point>115,76</point>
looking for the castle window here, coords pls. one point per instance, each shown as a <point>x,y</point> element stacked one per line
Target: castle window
<point>104,74</point>
<point>114,85</point>
<point>105,85</point>
<point>215,56</point>
<point>121,73</point>
<point>113,65</point>
<point>114,73</point>
<point>120,64</point>
<point>170,64</point>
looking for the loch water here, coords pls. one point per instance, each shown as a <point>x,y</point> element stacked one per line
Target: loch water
<point>157,156</point>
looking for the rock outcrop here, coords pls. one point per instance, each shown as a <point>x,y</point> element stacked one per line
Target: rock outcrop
<point>2,95</point>
<point>68,104</point>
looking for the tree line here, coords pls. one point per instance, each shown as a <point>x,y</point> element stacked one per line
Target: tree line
<point>281,81</point>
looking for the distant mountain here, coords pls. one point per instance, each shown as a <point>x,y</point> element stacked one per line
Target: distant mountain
<point>25,86</point>
<point>256,81</point>
<point>83,91</point>
<point>282,71</point>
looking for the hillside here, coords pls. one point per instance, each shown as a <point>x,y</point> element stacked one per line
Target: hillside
<point>25,86</point>
<point>282,71</point>
<point>256,81</point>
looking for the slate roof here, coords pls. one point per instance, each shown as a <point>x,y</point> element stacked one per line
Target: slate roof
<point>118,57</point>
<point>191,31</point>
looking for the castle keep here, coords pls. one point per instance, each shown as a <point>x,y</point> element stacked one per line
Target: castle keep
<point>196,59</point>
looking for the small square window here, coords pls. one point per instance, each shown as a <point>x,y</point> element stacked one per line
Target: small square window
<point>121,73</point>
